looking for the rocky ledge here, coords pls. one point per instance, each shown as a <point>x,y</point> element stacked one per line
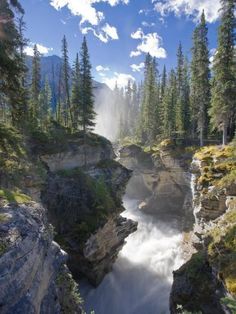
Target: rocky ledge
<point>161,180</point>
<point>33,275</point>
<point>84,203</point>
<point>206,283</point>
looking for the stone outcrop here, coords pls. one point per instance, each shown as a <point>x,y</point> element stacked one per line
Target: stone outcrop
<point>196,288</point>
<point>209,275</point>
<point>78,156</point>
<point>31,264</point>
<point>84,206</point>
<point>101,249</point>
<point>161,181</point>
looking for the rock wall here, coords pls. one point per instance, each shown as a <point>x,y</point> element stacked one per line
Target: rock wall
<point>204,282</point>
<point>161,181</point>
<point>31,263</point>
<point>84,206</point>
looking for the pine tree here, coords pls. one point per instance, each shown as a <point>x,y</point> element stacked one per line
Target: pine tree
<point>200,80</point>
<point>169,105</point>
<point>35,86</point>
<point>66,110</point>
<point>76,93</point>
<point>12,67</point>
<point>223,100</point>
<point>149,110</point>
<point>86,113</point>
<point>182,106</point>
<point>45,106</point>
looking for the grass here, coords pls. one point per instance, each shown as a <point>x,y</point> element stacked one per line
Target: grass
<point>14,196</point>
<point>219,168</point>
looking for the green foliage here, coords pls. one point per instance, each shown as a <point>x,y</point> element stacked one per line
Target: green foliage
<point>224,82</point>
<point>86,113</point>
<point>222,249</point>
<point>14,196</point>
<point>200,80</point>
<point>230,303</point>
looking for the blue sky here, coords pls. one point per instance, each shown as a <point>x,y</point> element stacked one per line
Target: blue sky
<point>119,32</point>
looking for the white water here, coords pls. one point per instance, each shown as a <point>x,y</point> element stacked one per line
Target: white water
<point>141,279</point>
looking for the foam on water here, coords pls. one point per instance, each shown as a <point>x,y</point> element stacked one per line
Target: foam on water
<point>141,279</point>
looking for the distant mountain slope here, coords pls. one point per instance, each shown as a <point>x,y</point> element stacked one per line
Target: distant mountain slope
<point>50,69</point>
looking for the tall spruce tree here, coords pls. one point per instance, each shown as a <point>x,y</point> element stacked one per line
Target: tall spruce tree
<point>86,112</point>
<point>35,86</point>
<point>223,100</point>
<point>182,105</point>
<point>76,93</point>
<point>12,68</point>
<point>200,80</point>
<point>149,110</point>
<point>66,109</point>
<point>169,105</point>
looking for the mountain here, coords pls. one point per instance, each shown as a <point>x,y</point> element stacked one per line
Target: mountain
<point>50,69</point>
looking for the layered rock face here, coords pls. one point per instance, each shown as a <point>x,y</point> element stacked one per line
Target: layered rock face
<point>161,181</point>
<point>33,275</point>
<point>84,204</point>
<point>203,283</point>
<point>78,155</point>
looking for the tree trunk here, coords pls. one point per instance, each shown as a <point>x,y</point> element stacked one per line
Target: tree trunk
<point>201,136</point>
<point>224,133</point>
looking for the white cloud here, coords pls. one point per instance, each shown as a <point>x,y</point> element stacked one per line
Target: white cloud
<point>135,53</point>
<point>150,43</point>
<point>89,15</point>
<point>29,50</point>
<point>213,52</point>
<point>121,79</point>
<point>146,24</point>
<point>137,67</point>
<point>192,8</point>
<point>138,34</point>
<point>104,33</point>
<point>100,68</point>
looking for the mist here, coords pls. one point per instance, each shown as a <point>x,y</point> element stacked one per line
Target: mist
<point>107,119</point>
<point>142,275</point>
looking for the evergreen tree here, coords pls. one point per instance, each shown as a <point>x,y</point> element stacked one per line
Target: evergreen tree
<point>12,67</point>
<point>35,86</point>
<point>169,105</point>
<point>182,83</point>
<point>45,106</point>
<point>66,110</point>
<point>200,80</point>
<point>76,93</point>
<point>86,112</point>
<point>223,100</point>
<point>149,111</point>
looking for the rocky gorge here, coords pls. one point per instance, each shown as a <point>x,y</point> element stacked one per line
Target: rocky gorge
<point>78,192</point>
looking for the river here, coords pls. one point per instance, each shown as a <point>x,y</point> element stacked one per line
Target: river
<point>141,279</point>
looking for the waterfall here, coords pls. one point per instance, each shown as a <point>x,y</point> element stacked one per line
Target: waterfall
<point>141,278</point>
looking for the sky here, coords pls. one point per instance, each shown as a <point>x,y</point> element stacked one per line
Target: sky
<point>119,32</point>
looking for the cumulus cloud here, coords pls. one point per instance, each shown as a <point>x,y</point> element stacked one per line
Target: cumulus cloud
<point>104,33</point>
<point>100,68</point>
<point>121,79</point>
<point>90,16</point>
<point>29,50</point>
<point>146,24</point>
<point>137,67</point>
<point>150,43</point>
<point>192,8</point>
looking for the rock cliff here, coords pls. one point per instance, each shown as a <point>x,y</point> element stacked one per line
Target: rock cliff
<point>33,272</point>
<point>84,201</point>
<point>206,283</point>
<point>161,181</point>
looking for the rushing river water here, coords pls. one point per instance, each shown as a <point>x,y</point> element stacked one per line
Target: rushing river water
<point>141,279</point>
